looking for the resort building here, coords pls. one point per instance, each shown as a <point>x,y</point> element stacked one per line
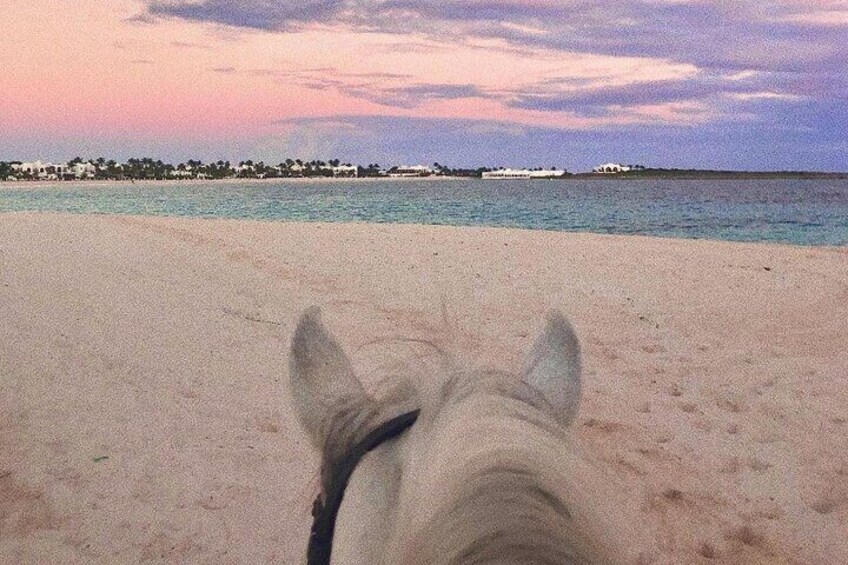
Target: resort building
<point>346,171</point>
<point>83,170</point>
<point>34,169</point>
<point>612,168</point>
<point>49,171</point>
<point>411,171</point>
<point>524,174</point>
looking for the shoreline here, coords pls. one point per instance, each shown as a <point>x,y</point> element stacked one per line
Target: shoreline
<point>23,184</point>
<point>682,175</point>
<point>328,224</point>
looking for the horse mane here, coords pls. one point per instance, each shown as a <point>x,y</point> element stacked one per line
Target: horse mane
<point>495,477</point>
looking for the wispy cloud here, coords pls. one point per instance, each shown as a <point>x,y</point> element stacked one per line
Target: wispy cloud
<point>411,96</point>
<point>256,14</point>
<point>392,89</point>
<point>742,34</point>
<point>189,45</point>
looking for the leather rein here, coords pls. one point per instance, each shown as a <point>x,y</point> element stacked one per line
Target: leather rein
<point>325,509</point>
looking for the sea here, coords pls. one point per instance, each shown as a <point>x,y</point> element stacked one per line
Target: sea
<point>792,211</point>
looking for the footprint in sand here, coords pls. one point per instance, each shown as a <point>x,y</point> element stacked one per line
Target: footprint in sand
<point>745,535</point>
<point>758,465</point>
<point>707,550</point>
<point>732,405</point>
<point>604,426</point>
<point>731,466</point>
<point>689,407</point>
<point>268,425</point>
<point>734,465</point>
<point>824,505</point>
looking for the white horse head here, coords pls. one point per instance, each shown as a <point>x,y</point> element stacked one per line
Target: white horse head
<point>488,473</point>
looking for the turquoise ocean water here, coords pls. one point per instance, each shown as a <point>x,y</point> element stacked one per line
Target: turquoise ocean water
<point>802,212</point>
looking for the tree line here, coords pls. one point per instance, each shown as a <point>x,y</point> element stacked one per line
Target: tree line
<point>147,168</point>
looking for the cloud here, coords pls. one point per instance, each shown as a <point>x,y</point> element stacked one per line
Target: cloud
<point>142,19</point>
<point>710,88</point>
<point>398,90</point>
<point>256,14</point>
<point>409,96</point>
<point>189,45</point>
<point>777,36</point>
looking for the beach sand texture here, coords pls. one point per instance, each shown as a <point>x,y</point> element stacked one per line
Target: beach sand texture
<point>144,411</point>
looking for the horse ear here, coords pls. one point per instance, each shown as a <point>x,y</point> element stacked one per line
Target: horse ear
<point>553,367</point>
<point>321,377</point>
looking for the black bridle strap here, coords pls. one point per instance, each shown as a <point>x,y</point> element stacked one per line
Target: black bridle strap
<point>326,506</point>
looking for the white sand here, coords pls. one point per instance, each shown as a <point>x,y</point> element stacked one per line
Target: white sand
<point>144,411</point>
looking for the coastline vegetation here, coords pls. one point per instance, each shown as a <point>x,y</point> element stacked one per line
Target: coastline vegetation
<point>149,169</point>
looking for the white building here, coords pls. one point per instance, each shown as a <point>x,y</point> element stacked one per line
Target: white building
<point>346,171</point>
<point>523,174</point>
<point>59,170</point>
<point>38,170</point>
<point>34,169</point>
<point>83,170</point>
<point>611,168</point>
<point>411,171</point>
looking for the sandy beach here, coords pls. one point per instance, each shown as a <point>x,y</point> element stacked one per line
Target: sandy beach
<point>144,411</point>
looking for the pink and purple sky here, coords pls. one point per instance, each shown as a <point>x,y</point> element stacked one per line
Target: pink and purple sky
<point>734,84</point>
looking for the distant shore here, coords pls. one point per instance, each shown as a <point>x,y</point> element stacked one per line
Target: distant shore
<point>698,174</point>
<point>671,174</point>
